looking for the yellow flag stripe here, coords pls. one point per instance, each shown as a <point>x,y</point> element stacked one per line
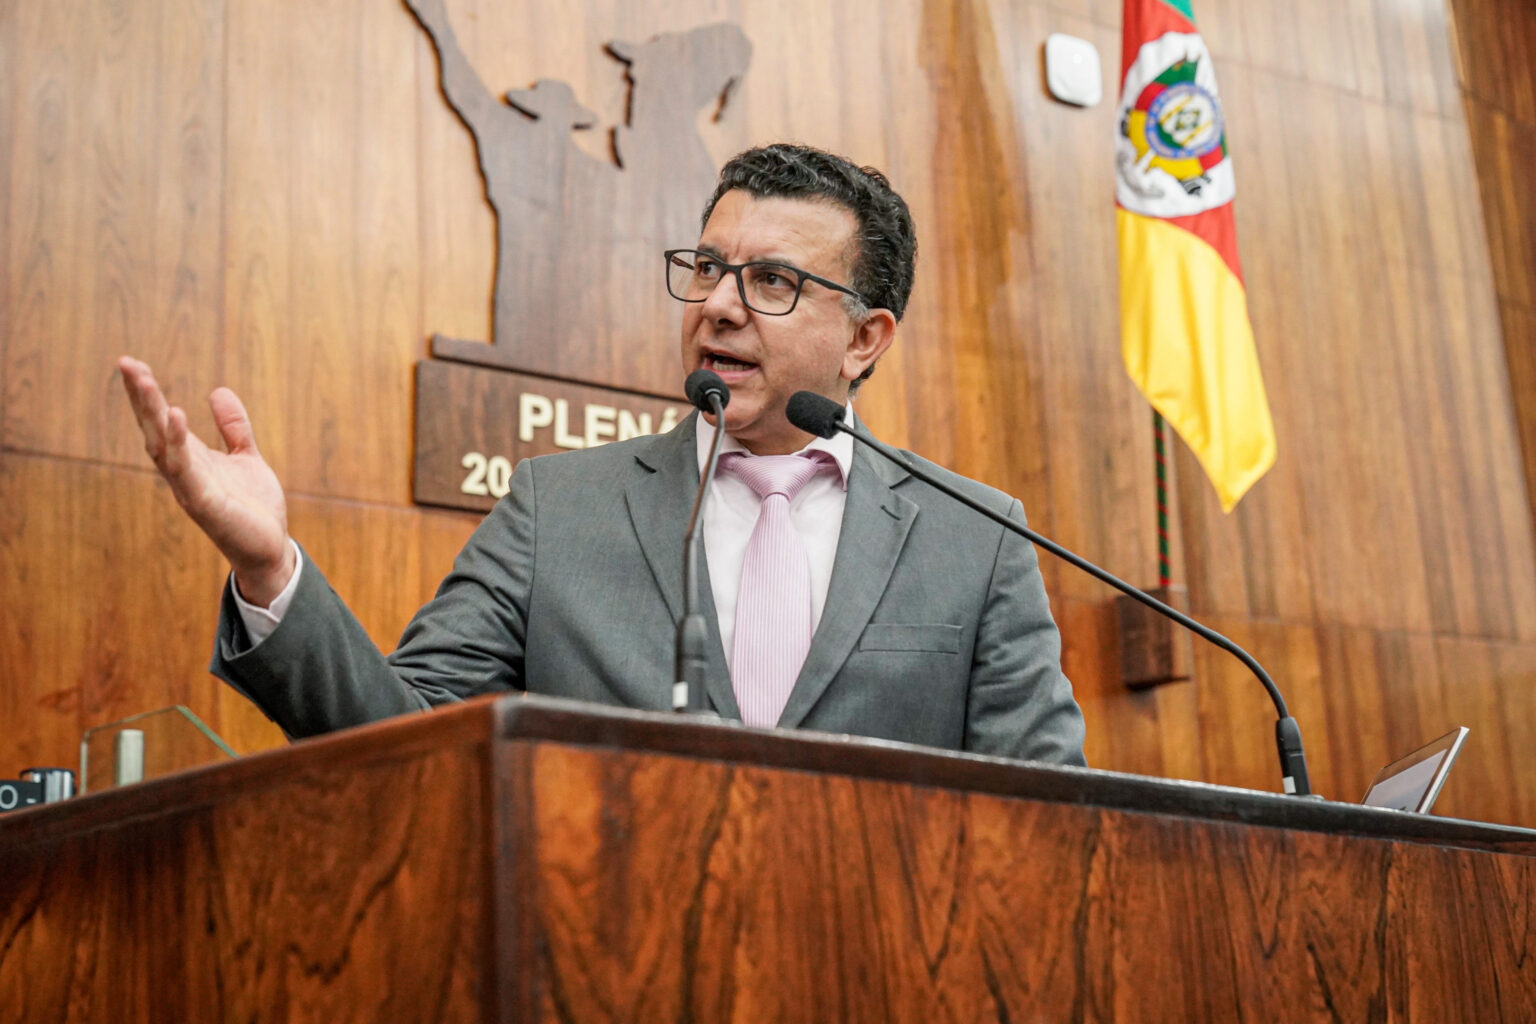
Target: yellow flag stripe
<point>1188,346</point>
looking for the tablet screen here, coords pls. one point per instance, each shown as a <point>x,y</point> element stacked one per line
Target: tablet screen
<point>1411,783</point>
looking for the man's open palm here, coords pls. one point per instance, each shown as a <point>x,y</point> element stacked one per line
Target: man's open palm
<point>233,496</point>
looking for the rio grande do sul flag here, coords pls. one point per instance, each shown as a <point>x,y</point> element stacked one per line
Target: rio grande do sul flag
<point>1184,330</point>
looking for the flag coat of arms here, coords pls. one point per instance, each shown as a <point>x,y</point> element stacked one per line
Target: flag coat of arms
<point>1184,329</point>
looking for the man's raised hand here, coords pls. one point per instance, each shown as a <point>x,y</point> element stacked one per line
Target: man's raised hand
<point>233,496</point>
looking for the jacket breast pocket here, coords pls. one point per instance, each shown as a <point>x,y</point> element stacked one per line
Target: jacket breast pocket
<point>936,637</point>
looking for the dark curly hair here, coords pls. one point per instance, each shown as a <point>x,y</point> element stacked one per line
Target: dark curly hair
<point>883,268</point>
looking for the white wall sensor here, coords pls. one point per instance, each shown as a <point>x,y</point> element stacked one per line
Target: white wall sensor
<point>1072,70</point>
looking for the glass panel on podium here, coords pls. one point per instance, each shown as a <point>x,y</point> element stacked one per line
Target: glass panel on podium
<point>147,746</point>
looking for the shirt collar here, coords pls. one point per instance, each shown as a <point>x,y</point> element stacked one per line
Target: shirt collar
<point>839,446</point>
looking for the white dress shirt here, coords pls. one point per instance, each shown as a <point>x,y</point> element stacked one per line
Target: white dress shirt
<point>730,513</point>
<point>259,621</point>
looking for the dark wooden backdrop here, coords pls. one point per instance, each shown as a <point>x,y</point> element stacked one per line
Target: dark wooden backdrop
<point>277,198</point>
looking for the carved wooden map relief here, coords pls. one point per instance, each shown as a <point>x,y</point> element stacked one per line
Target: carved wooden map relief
<point>579,303</point>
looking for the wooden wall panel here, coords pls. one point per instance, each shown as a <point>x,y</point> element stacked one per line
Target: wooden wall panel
<point>974,261</point>
<point>9,84</point>
<point>1396,51</point>
<point>108,597</point>
<point>278,198</point>
<point>1497,43</point>
<point>1237,718</point>
<point>1375,717</point>
<point>1155,731</point>
<point>114,204</point>
<point>1099,465</point>
<point>1505,148</point>
<point>1490,688</point>
<point>1519,323</point>
<point>1362,698</point>
<point>322,286</point>
<point>98,574</point>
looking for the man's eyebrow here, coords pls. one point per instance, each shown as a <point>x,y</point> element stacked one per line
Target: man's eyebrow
<point>710,250</point>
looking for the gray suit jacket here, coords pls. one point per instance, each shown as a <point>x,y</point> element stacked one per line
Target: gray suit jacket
<point>936,628</point>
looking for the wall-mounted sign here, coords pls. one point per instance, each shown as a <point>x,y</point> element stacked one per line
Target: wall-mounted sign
<point>474,425</point>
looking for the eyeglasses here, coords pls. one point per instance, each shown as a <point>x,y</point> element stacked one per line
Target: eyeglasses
<point>769,288</point>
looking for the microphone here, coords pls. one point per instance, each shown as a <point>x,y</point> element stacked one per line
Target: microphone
<point>823,417</point>
<point>816,414</point>
<point>708,393</point>
<point>702,388</point>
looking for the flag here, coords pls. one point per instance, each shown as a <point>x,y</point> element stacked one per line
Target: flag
<point>1184,329</point>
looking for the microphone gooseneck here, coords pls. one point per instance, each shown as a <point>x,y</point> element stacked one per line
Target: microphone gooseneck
<point>708,393</point>
<point>823,417</point>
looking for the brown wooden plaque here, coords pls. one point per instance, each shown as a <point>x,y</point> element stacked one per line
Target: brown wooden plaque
<point>474,424</point>
<point>1153,648</point>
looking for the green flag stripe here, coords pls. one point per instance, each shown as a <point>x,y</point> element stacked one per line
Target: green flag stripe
<point>1183,71</point>
<point>1183,7</point>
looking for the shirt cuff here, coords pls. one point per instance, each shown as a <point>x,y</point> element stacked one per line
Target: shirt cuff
<point>260,622</point>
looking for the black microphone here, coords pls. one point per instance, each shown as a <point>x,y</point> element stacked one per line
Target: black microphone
<point>708,393</point>
<point>703,387</point>
<point>823,417</point>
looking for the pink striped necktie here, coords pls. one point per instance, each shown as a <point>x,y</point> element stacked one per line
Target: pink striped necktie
<point>773,604</point>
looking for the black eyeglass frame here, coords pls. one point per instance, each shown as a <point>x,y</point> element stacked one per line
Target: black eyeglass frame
<point>735,270</point>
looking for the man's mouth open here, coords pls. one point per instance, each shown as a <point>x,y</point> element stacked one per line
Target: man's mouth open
<point>726,365</point>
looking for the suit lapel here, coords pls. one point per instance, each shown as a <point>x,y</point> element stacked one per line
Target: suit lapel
<point>876,521</point>
<point>659,500</point>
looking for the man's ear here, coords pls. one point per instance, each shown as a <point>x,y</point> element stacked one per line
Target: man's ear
<point>869,342</point>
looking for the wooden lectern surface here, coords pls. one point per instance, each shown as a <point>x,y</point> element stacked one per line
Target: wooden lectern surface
<point>520,859</point>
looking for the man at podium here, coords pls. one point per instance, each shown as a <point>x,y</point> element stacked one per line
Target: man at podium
<point>841,594</point>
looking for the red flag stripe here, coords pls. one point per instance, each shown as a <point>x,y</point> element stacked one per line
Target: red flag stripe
<point>1145,21</point>
<point>1150,93</point>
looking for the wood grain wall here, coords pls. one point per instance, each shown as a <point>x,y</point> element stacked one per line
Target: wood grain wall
<point>277,198</point>
<point>1496,65</point>
<point>1497,72</point>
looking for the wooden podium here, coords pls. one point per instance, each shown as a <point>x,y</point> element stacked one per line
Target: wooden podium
<point>527,860</point>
